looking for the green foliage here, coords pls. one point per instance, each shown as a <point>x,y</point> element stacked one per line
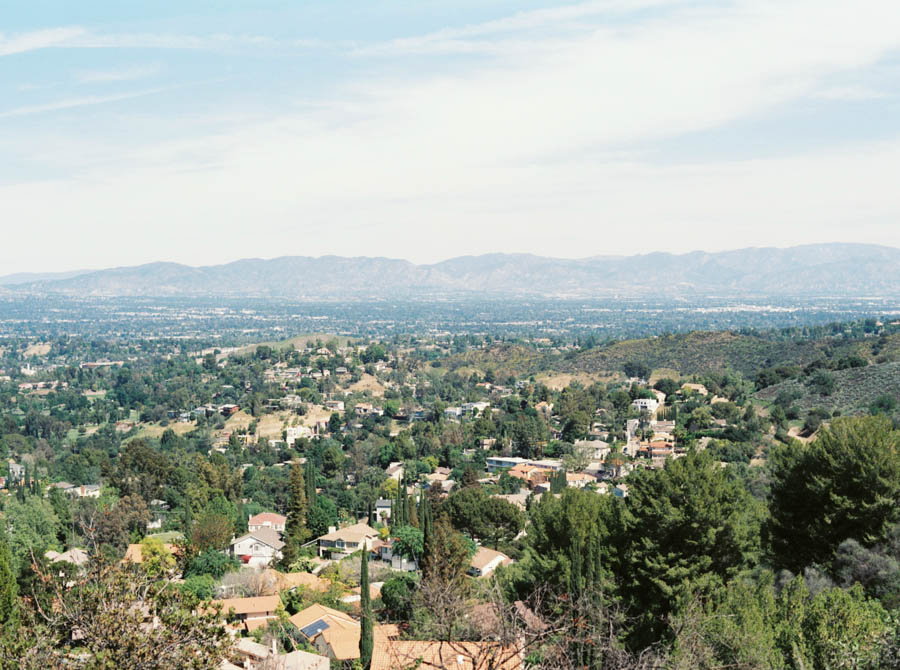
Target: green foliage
<point>685,523</point>
<point>397,596</point>
<point>8,586</point>
<point>366,635</point>
<point>409,542</point>
<point>844,485</point>
<point>483,517</point>
<point>575,524</point>
<point>212,563</point>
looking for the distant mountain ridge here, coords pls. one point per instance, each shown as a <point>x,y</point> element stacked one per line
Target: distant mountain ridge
<point>810,270</point>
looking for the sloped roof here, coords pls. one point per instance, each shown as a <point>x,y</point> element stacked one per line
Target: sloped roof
<point>484,556</point>
<point>397,654</point>
<point>264,535</point>
<point>270,517</point>
<point>249,605</point>
<point>353,534</point>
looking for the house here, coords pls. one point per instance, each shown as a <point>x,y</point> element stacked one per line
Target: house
<point>16,472</point>
<point>383,509</point>
<point>367,409</point>
<point>335,405</point>
<point>485,561</point>
<point>578,480</point>
<point>341,543</point>
<point>250,613</point>
<point>252,655</point>
<point>645,405</point>
<point>333,633</point>
<point>74,556</point>
<point>267,520</point>
<point>228,410</point>
<point>85,491</point>
<point>258,548</point>
<point>620,491</point>
<point>695,388</point>
<point>390,654</point>
<point>395,471</point>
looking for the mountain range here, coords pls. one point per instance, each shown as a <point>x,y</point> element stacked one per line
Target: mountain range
<point>839,270</point>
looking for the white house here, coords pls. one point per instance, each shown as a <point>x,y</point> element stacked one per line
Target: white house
<point>258,548</point>
<point>648,404</point>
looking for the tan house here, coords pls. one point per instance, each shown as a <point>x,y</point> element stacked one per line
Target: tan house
<point>250,613</point>
<point>343,542</point>
<point>335,634</point>
<point>390,654</point>
<point>485,561</point>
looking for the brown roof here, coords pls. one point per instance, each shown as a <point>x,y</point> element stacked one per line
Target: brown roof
<point>249,605</point>
<point>271,517</point>
<point>353,534</point>
<point>399,654</point>
<point>484,556</point>
<point>342,633</point>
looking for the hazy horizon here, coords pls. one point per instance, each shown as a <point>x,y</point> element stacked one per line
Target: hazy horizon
<point>200,134</point>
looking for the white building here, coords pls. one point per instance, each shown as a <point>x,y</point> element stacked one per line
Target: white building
<point>257,549</point>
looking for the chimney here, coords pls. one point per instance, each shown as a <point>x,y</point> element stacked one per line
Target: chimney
<point>331,529</point>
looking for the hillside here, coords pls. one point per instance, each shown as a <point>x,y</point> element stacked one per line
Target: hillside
<point>854,390</point>
<point>812,270</point>
<point>696,352</point>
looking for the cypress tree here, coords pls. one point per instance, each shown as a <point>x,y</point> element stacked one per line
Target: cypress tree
<point>413,515</point>
<point>366,632</point>
<point>8,586</point>
<point>296,531</point>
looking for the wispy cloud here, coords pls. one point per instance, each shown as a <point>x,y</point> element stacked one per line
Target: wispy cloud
<point>69,103</point>
<point>118,75</point>
<point>38,39</point>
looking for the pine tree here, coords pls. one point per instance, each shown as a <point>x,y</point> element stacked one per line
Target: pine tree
<point>366,634</point>
<point>8,587</point>
<point>296,532</point>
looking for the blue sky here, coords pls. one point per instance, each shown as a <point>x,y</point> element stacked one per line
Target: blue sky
<point>202,132</point>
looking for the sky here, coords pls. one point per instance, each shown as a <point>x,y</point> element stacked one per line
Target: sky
<point>207,131</point>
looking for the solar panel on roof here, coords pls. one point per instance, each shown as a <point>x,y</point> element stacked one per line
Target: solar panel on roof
<point>314,629</point>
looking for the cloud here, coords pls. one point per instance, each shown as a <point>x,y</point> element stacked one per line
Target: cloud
<point>119,75</point>
<point>536,145</point>
<point>38,39</point>
<point>69,103</point>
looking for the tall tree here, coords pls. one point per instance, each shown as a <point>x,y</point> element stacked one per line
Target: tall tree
<point>366,629</point>
<point>688,522</point>
<point>296,531</point>
<point>8,587</point>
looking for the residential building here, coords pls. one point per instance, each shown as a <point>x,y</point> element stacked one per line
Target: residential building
<point>390,654</point>
<point>267,520</point>
<point>258,548</point>
<point>645,405</point>
<point>250,613</point>
<point>341,543</point>
<point>485,561</point>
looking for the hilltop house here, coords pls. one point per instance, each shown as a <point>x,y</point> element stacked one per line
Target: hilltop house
<point>485,561</point>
